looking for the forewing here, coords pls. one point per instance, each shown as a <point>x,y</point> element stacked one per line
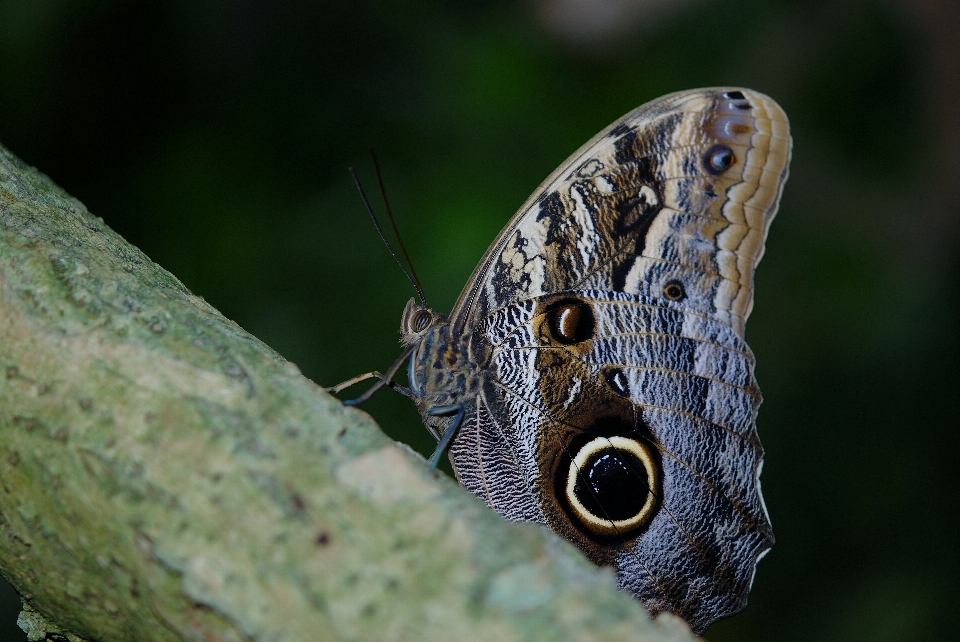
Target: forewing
<point>681,190</point>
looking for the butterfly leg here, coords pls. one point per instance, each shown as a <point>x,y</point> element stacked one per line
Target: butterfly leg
<point>385,380</point>
<point>444,442</point>
<point>393,385</point>
<point>343,385</point>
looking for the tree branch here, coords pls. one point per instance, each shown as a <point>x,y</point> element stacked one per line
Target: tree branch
<point>167,476</point>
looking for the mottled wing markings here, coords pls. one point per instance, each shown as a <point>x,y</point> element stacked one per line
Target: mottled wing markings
<point>590,227</point>
<point>684,502</point>
<point>656,225</point>
<point>740,500</point>
<point>671,383</point>
<point>490,467</point>
<point>681,346</point>
<point>714,435</point>
<point>692,487</point>
<point>552,427</point>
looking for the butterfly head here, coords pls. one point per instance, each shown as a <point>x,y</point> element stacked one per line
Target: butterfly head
<point>415,322</point>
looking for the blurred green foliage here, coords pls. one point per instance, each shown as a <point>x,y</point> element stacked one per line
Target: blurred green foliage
<point>216,135</point>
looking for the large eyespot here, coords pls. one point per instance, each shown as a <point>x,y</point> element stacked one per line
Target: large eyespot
<point>611,485</point>
<point>674,291</point>
<point>719,159</point>
<point>570,321</point>
<point>421,320</point>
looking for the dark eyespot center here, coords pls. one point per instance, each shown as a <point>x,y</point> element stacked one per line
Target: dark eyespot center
<point>719,159</point>
<point>674,291</point>
<point>613,485</point>
<point>570,322</point>
<point>738,100</point>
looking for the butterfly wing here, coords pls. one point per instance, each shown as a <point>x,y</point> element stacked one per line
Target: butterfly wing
<point>637,444</point>
<point>682,187</point>
<point>617,399</point>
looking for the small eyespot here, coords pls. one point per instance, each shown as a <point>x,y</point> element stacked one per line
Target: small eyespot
<point>617,381</point>
<point>570,322</point>
<point>674,291</point>
<point>422,320</point>
<point>736,95</point>
<point>719,159</point>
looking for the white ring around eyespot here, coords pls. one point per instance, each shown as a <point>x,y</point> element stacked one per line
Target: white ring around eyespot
<point>595,523</point>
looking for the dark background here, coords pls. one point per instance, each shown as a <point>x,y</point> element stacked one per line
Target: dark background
<point>215,135</point>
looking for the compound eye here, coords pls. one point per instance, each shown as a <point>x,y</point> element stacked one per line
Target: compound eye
<point>421,321</point>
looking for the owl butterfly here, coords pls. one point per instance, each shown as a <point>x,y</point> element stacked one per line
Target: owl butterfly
<point>593,375</point>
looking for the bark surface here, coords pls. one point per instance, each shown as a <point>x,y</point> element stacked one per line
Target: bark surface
<point>167,477</point>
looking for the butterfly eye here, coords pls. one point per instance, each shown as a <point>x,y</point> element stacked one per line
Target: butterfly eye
<point>674,291</point>
<point>719,159</point>
<point>611,485</point>
<point>422,320</point>
<point>570,322</point>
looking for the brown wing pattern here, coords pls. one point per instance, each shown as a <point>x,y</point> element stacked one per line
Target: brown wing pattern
<point>615,398</point>
<point>681,189</point>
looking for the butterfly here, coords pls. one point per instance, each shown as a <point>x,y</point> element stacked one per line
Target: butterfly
<point>593,376</point>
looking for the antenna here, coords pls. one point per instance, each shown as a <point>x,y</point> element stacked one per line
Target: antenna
<point>376,224</point>
<point>396,232</point>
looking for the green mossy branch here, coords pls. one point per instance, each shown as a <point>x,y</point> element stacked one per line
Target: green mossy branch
<point>167,476</point>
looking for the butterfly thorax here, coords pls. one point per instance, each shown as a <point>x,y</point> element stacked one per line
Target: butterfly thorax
<point>443,369</point>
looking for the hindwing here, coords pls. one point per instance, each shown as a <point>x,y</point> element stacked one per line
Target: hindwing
<point>653,378</point>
